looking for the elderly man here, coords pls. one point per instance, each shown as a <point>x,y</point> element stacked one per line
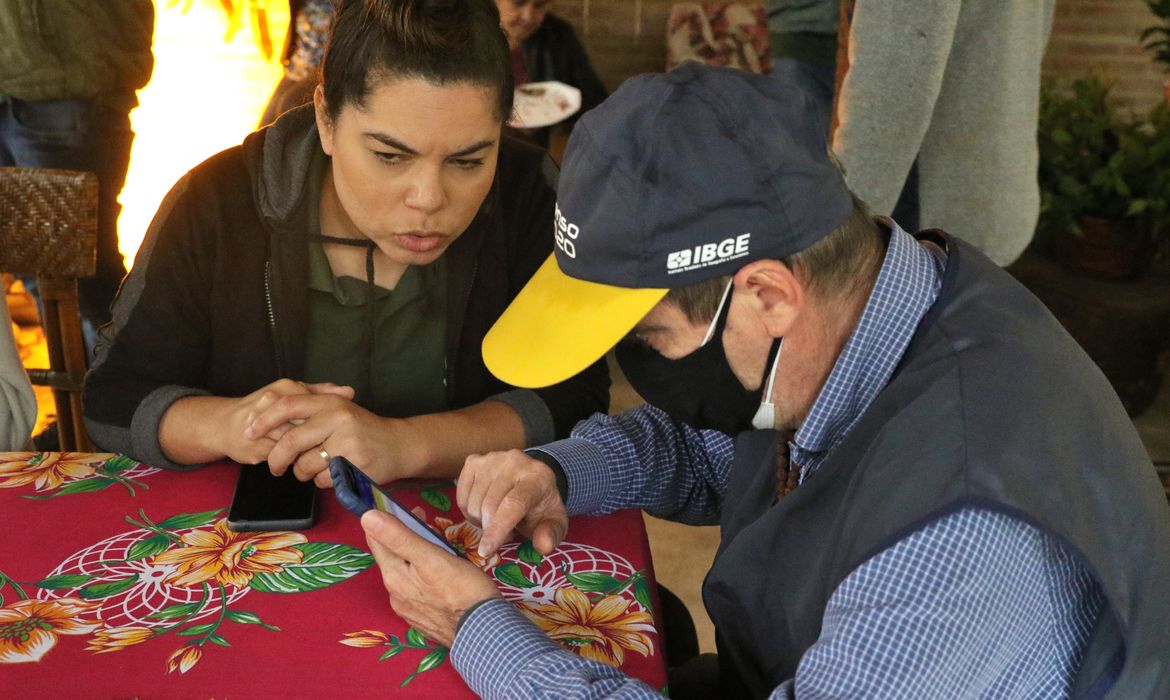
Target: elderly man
<point>933,492</point>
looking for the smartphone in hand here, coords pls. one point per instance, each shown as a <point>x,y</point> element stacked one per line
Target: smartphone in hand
<point>358,494</point>
<point>266,502</point>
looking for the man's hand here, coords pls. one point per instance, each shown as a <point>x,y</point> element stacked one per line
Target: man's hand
<point>510,490</point>
<point>429,588</point>
<point>305,424</point>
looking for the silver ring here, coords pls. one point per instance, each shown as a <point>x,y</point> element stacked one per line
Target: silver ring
<point>324,454</point>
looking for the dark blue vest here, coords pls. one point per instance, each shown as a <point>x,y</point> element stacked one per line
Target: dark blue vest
<point>992,406</point>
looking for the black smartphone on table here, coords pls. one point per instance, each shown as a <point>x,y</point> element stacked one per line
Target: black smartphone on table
<point>266,502</point>
<point>358,493</point>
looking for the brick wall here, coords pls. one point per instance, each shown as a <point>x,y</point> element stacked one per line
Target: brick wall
<point>627,37</point>
<point>1101,37</point>
<point>623,37</point>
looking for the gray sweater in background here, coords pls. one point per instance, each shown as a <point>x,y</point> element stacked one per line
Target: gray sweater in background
<point>954,83</point>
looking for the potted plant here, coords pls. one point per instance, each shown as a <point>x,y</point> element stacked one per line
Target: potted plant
<point>1104,180</point>
<point>1156,38</point>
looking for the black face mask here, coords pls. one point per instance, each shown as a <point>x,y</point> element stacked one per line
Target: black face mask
<point>698,389</point>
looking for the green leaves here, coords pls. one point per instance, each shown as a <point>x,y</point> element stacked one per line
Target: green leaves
<point>105,590</point>
<point>528,554</point>
<point>1098,161</point>
<point>594,581</point>
<point>415,638</point>
<point>432,660</point>
<point>512,575</point>
<point>244,617</point>
<point>391,652</point>
<point>436,499</point>
<point>64,581</point>
<point>322,565</point>
<point>90,485</point>
<point>117,465</point>
<point>148,547</point>
<point>186,520</point>
<point>173,612</point>
<point>194,630</point>
<point>642,594</point>
<point>428,662</point>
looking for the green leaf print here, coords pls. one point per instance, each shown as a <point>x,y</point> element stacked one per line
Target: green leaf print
<point>322,565</point>
<point>511,574</point>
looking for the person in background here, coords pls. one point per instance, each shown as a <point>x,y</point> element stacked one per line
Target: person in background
<point>68,76</point>
<point>803,39</point>
<point>953,87</point>
<point>308,35</point>
<point>545,47</point>
<point>932,492</point>
<point>18,404</point>
<point>323,289</point>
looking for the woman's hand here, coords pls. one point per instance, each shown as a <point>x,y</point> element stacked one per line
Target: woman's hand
<point>304,425</point>
<point>200,429</point>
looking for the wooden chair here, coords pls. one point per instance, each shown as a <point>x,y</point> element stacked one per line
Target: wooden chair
<point>48,228</point>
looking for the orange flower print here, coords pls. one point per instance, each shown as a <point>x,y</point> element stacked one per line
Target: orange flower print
<point>465,537</point>
<point>602,631</point>
<point>118,638</point>
<point>230,558</point>
<point>365,638</point>
<point>29,628</point>
<point>51,470</point>
<point>184,658</point>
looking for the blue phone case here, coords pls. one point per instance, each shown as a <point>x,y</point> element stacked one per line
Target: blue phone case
<point>358,494</point>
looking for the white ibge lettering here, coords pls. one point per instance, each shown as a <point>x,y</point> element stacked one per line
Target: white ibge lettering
<point>707,254</point>
<point>566,233</point>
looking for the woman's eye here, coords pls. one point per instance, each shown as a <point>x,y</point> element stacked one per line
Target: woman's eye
<point>467,163</point>
<point>391,158</point>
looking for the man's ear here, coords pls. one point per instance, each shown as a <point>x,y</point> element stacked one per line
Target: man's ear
<point>324,122</point>
<point>773,292</point>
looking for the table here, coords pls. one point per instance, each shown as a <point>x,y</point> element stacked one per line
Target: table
<point>121,580</point>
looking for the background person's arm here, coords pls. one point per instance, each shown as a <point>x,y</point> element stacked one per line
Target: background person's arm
<point>18,405</point>
<point>898,52</point>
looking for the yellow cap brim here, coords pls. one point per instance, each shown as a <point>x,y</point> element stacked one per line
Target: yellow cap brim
<point>559,325</point>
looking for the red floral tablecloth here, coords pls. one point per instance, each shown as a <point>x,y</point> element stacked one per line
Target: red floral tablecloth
<point>121,580</point>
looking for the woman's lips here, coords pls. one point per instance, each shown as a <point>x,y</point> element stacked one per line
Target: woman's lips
<point>420,241</point>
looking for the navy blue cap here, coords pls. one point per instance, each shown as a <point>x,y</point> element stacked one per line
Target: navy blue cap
<point>687,175</point>
<point>675,179</point>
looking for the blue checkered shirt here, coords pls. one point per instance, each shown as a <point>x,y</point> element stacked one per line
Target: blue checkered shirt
<point>976,604</point>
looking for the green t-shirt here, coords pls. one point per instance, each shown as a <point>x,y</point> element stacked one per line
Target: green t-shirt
<point>409,341</point>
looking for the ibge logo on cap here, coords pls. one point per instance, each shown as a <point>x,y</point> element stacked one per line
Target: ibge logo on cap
<point>566,234</point>
<point>708,254</point>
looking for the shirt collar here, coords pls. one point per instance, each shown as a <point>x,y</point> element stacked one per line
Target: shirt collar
<point>906,287</point>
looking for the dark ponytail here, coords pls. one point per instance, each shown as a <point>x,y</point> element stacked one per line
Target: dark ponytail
<point>440,41</point>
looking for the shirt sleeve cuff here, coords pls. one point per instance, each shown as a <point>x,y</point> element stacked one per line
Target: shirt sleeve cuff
<point>534,414</point>
<point>586,473</point>
<point>493,644</point>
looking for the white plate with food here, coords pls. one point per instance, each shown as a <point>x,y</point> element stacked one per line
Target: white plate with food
<point>544,104</point>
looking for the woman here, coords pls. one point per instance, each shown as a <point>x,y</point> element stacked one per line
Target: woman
<point>323,289</point>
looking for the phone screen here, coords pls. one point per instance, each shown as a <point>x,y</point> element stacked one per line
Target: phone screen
<point>266,502</point>
<point>358,494</point>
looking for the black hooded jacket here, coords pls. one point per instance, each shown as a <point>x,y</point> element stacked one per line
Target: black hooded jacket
<point>217,301</point>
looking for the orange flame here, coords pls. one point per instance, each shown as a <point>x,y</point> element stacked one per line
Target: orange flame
<point>206,94</point>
